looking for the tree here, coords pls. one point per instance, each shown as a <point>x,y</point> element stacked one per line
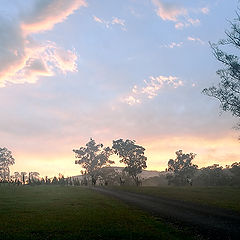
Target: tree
<point>132,155</point>
<point>228,90</point>
<point>6,159</point>
<point>235,170</point>
<point>24,176</point>
<point>213,176</point>
<point>93,157</point>
<point>181,168</point>
<point>17,176</point>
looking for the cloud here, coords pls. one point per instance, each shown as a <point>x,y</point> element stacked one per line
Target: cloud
<point>118,21</point>
<point>173,45</point>
<point>131,100</point>
<point>45,14</point>
<point>42,60</point>
<point>196,40</point>
<point>193,21</point>
<point>205,10</point>
<point>96,19</point>
<point>176,13</point>
<point>115,21</point>
<point>151,88</point>
<point>168,11</point>
<point>23,59</point>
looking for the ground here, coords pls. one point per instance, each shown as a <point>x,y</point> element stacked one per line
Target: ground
<point>222,196</point>
<point>61,212</point>
<point>67,212</point>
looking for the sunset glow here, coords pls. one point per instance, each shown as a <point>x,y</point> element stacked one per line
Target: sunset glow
<point>71,70</point>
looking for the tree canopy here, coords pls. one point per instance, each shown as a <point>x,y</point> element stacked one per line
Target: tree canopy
<point>93,157</point>
<point>6,159</point>
<point>132,155</point>
<point>181,168</point>
<point>228,89</point>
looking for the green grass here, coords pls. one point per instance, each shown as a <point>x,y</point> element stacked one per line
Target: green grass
<point>58,212</point>
<point>223,197</point>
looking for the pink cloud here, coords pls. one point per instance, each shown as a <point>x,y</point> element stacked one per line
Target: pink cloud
<point>118,21</point>
<point>205,10</point>
<point>99,20</point>
<point>108,24</point>
<point>173,45</point>
<point>48,13</point>
<point>198,40</point>
<point>151,88</point>
<point>169,11</point>
<point>193,21</point>
<point>176,13</point>
<point>22,59</point>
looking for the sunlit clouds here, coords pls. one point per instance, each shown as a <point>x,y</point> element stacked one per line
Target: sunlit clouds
<point>198,40</point>
<point>205,10</point>
<point>169,11</point>
<point>133,69</point>
<point>173,45</point>
<point>151,88</point>
<point>23,59</point>
<point>45,14</point>
<point>114,21</point>
<point>178,14</point>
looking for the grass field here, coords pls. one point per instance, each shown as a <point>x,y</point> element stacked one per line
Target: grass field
<point>58,212</point>
<point>223,197</point>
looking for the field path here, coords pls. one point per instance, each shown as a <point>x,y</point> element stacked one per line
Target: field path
<point>209,222</point>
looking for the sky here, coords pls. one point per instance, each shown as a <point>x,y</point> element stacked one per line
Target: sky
<point>132,69</point>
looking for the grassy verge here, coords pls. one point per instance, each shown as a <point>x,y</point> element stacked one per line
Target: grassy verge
<point>55,212</point>
<point>223,197</point>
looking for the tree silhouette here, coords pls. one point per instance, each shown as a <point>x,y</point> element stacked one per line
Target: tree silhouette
<point>181,168</point>
<point>6,159</point>
<point>93,157</point>
<point>228,90</point>
<point>213,175</point>
<point>23,174</point>
<point>132,155</point>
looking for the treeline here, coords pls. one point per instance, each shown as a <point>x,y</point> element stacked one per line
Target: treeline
<point>33,178</point>
<point>95,160</point>
<point>181,171</point>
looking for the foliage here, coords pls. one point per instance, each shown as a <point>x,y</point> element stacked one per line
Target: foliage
<point>235,170</point>
<point>24,176</point>
<point>34,176</point>
<point>93,157</point>
<point>132,155</point>
<point>181,168</point>
<point>213,175</point>
<point>6,159</point>
<point>228,90</point>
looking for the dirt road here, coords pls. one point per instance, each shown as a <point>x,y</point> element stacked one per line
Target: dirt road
<point>209,222</point>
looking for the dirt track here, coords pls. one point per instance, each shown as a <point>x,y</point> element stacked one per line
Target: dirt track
<point>209,222</point>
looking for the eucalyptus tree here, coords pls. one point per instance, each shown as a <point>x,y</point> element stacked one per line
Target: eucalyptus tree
<point>227,91</point>
<point>93,157</point>
<point>132,155</point>
<point>6,159</point>
<point>181,168</point>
